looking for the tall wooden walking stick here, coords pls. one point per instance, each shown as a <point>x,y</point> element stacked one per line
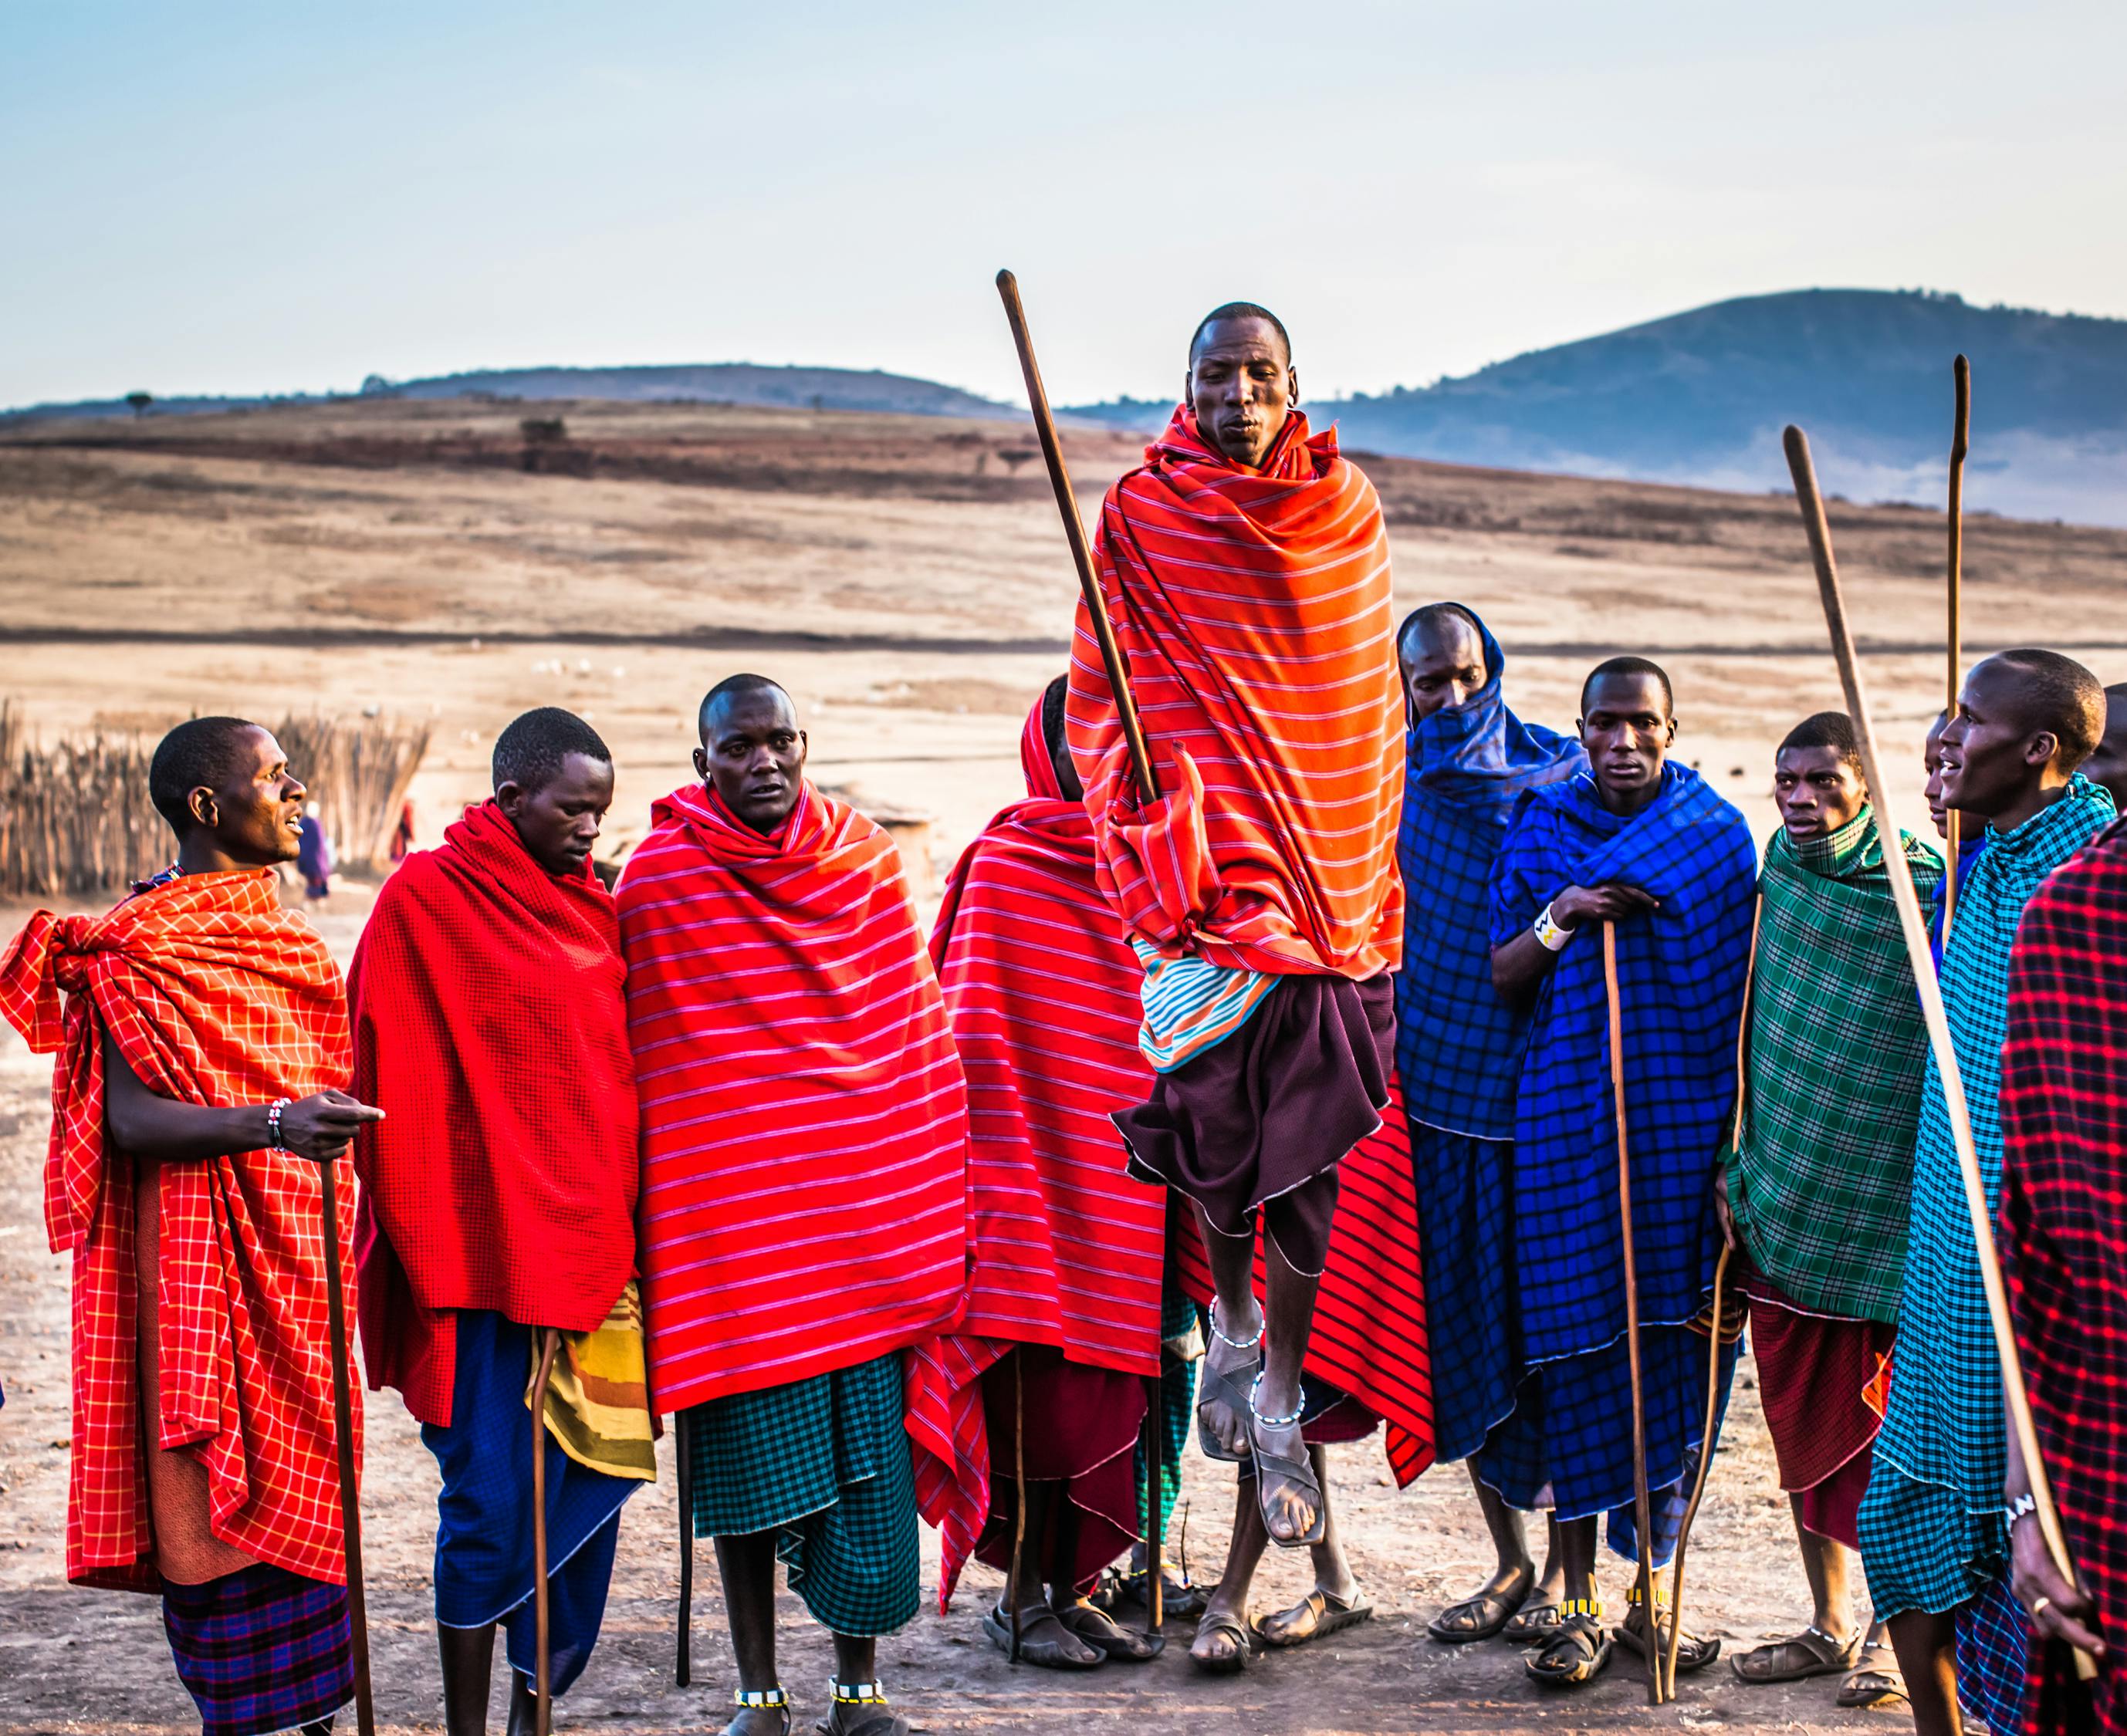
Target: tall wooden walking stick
<point>1016,1578</point>
<point>543,1686</point>
<point>1915,930</point>
<point>1713,1337</point>
<point>1082,556</point>
<point>1642,1508</point>
<point>682,1451</point>
<point>350,1488</point>
<point>1960,443</point>
<point>1155,1494</point>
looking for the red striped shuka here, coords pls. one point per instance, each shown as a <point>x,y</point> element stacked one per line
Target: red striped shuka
<point>1253,610</point>
<point>1368,1339</point>
<point>214,995</point>
<point>2063,1217</point>
<point>804,1120</point>
<point>1067,1250</point>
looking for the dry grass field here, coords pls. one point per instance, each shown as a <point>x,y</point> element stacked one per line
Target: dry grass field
<point>908,580</point>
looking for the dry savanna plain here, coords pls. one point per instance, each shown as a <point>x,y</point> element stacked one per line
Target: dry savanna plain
<point>908,580</point>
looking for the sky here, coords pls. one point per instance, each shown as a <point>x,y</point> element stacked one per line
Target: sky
<point>210,198</point>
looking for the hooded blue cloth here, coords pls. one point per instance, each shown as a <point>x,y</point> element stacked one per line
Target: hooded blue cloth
<point>1681,973</point>
<point>1458,1045</point>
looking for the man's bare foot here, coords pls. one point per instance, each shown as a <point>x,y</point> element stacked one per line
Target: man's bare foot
<point>1230,1368</point>
<point>1285,1487</point>
<point>1226,1641</point>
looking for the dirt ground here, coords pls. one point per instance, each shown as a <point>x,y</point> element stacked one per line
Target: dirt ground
<point>907,580</point>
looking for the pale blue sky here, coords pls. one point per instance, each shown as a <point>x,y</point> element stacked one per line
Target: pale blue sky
<point>207,198</point>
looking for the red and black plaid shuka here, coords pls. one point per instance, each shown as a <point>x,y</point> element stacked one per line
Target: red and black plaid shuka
<point>2063,1217</point>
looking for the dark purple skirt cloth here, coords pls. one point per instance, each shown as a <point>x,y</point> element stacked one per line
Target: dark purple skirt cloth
<point>1260,1121</point>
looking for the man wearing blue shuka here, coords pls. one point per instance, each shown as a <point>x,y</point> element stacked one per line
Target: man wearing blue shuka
<point>1646,844</point>
<point>1459,1052</point>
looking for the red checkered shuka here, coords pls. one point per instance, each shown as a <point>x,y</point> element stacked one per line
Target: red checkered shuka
<point>1368,1338</point>
<point>1067,1250</point>
<point>214,995</point>
<point>2064,1217</point>
<point>1253,610</point>
<point>804,1118</point>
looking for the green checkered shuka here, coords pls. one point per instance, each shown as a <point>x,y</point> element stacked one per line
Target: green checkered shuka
<point>1821,1177</point>
<point>824,1463</point>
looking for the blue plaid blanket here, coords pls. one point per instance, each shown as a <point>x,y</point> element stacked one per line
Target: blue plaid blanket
<point>1458,1046</point>
<point>1680,973</point>
<point>1931,1528</point>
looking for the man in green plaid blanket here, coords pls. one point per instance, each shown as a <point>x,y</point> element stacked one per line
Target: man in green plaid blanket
<point>1817,1187</point>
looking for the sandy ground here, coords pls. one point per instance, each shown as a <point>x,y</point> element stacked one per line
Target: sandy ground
<point>907,581</point>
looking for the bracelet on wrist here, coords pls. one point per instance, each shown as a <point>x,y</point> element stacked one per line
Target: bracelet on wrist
<point>273,1124</point>
<point>2023,1505</point>
<point>1549,934</point>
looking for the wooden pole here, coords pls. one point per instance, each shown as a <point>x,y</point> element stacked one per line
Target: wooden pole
<point>1155,1490</point>
<point>1915,929</point>
<point>1960,443</point>
<point>1642,1508</point>
<point>683,1453</point>
<point>350,1486</point>
<point>1082,556</point>
<point>543,1690</point>
<point>1015,1578</point>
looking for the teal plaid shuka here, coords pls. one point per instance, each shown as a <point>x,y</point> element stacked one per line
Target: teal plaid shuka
<point>1821,1178</point>
<point>1932,1535</point>
<point>824,1463</point>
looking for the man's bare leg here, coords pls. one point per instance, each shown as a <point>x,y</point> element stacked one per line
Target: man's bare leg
<point>468,1661</point>
<point>1513,1582</point>
<point>747,1565</point>
<point>1046,1505</point>
<point>1827,1563</point>
<point>1927,1645</point>
<point>1229,1597</point>
<point>1333,1571</point>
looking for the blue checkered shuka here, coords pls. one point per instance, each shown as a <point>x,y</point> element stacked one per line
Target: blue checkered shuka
<point>1932,1535</point>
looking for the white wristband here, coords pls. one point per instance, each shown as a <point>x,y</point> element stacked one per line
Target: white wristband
<point>1548,934</point>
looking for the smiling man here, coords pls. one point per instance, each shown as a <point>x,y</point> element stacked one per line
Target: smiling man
<point>1933,1539</point>
<point>804,1174</point>
<point>1245,568</point>
<point>1459,1051</point>
<point>1646,844</point>
<point>1817,1187</point>
<point>498,1202</point>
<point>203,1041</point>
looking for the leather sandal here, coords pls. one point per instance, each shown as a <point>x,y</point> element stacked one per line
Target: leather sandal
<point>1229,1387</point>
<point>1044,1655</point>
<point>1097,1628</point>
<point>1246,1641</point>
<point>1301,1470</point>
<point>1580,1651</point>
<point>1809,1653</point>
<point>1494,1607</point>
<point>1315,1616</point>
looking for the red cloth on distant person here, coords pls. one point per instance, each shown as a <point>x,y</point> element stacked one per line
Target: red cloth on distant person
<point>1067,1250</point>
<point>2064,1217</point>
<point>1368,1338</point>
<point>1253,613</point>
<point>216,997</point>
<point>804,1121</point>
<point>490,1027</point>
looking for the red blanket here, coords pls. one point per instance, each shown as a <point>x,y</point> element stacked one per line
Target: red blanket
<point>804,1122</point>
<point>1042,993</point>
<point>214,995</point>
<point>1253,610</point>
<point>2064,1243</point>
<point>1369,1334</point>
<point>489,1024</point>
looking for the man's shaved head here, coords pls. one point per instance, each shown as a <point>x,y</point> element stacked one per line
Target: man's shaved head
<point>2056,694</point>
<point>205,753</point>
<point>1628,668</point>
<point>734,688</point>
<point>1235,310</point>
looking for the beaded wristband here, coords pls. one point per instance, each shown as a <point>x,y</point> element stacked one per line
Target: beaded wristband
<point>273,1124</point>
<point>1549,934</point>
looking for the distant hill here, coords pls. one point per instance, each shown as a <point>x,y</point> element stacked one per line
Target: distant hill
<point>723,382</point>
<point>1701,398</point>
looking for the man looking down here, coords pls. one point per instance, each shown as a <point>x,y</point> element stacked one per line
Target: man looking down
<point>1643,843</point>
<point>804,1168</point>
<point>1245,568</point>
<point>498,1201</point>
<point>202,1039</point>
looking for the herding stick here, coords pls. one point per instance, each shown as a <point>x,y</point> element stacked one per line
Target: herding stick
<point>683,1445</point>
<point>543,1695</point>
<point>1067,503</point>
<point>1642,1508</point>
<point>1960,443</point>
<point>350,1488</point>
<point>1713,1338</point>
<point>1155,1491</point>
<point>1931,1008</point>
<point>1014,1579</point>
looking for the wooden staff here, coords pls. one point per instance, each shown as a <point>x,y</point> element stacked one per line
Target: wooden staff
<point>350,1488</point>
<point>542,1694</point>
<point>1155,1475</point>
<point>1915,929</point>
<point>1015,1579</point>
<point>1713,1339</point>
<point>683,1672</point>
<point>1960,443</point>
<point>1067,503</point>
<point>1642,1508</point>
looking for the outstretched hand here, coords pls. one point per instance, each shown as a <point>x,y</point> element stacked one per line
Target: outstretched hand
<point>321,1127</point>
<point>2057,1610</point>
